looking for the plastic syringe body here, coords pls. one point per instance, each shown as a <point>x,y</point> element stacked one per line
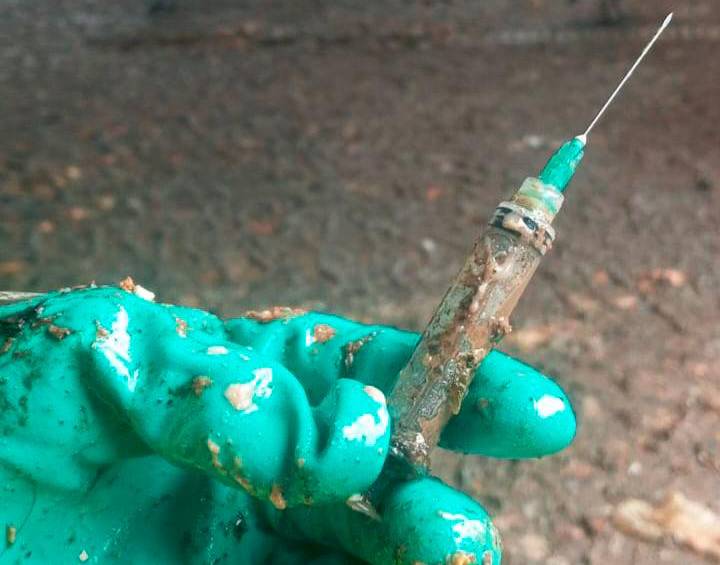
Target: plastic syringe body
<point>474,314</point>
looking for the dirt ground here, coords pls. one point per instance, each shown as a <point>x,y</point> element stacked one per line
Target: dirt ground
<point>343,155</point>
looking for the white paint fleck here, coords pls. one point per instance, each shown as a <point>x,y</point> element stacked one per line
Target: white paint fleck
<point>242,395</point>
<point>264,379</point>
<point>83,556</point>
<point>465,527</point>
<point>547,405</point>
<point>368,427</point>
<point>309,337</point>
<point>244,357</point>
<point>144,293</point>
<point>217,350</point>
<point>115,346</point>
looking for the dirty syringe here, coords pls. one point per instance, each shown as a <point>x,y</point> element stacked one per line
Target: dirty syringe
<point>474,314</point>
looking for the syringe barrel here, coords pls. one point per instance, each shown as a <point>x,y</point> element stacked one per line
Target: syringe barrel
<point>470,320</point>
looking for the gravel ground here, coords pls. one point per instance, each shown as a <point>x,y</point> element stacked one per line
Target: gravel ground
<point>343,155</point>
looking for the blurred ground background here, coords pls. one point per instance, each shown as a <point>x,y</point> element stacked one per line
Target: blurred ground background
<point>343,155</point>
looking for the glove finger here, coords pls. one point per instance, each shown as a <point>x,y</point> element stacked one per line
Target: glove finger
<point>421,521</point>
<point>511,411</point>
<point>353,426</point>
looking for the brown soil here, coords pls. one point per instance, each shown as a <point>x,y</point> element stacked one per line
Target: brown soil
<point>343,156</point>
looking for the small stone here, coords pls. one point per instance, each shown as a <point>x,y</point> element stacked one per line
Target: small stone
<point>261,227</point>
<point>699,369</point>
<point>635,518</point>
<point>590,408</point>
<point>57,332</point>
<point>106,202</point>
<point>83,556</point>
<point>100,332</point>
<point>595,524</point>
<point>533,141</point>
<point>648,282</point>
<point>432,193</point>
<point>243,482</point>
<point>277,498</point>
<point>323,333</point>
<point>583,303</point>
<point>578,469</point>
<point>199,384</point>
<point>567,531</point>
<point>615,454</point>
<point>359,503</point>
<point>464,558</point>
<point>10,534</point>
<point>73,172</point>
<point>181,327</point>
<point>535,547</point>
<point>274,313</point>
<point>352,347</point>
<point>530,509</point>
<point>661,421</point>
<point>674,277</point>
<point>532,337</point>
<point>240,395</point>
<point>600,278</point>
<point>710,399</point>
<point>78,213</point>
<point>428,245</point>
<point>689,523</point>
<point>507,520</point>
<point>7,344</point>
<point>625,302</point>
<point>214,450</point>
<point>635,469</point>
<point>127,284</point>
<point>45,227</point>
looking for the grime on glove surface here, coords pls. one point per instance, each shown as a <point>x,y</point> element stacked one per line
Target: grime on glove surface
<point>138,432</point>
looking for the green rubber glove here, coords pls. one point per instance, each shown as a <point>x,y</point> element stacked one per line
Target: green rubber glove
<point>138,432</point>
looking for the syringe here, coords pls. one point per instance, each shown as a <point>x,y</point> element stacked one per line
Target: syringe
<point>474,314</point>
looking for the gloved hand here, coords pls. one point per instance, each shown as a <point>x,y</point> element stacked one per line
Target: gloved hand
<point>138,432</point>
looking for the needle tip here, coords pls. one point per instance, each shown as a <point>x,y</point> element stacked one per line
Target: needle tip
<point>627,76</point>
<point>582,138</point>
